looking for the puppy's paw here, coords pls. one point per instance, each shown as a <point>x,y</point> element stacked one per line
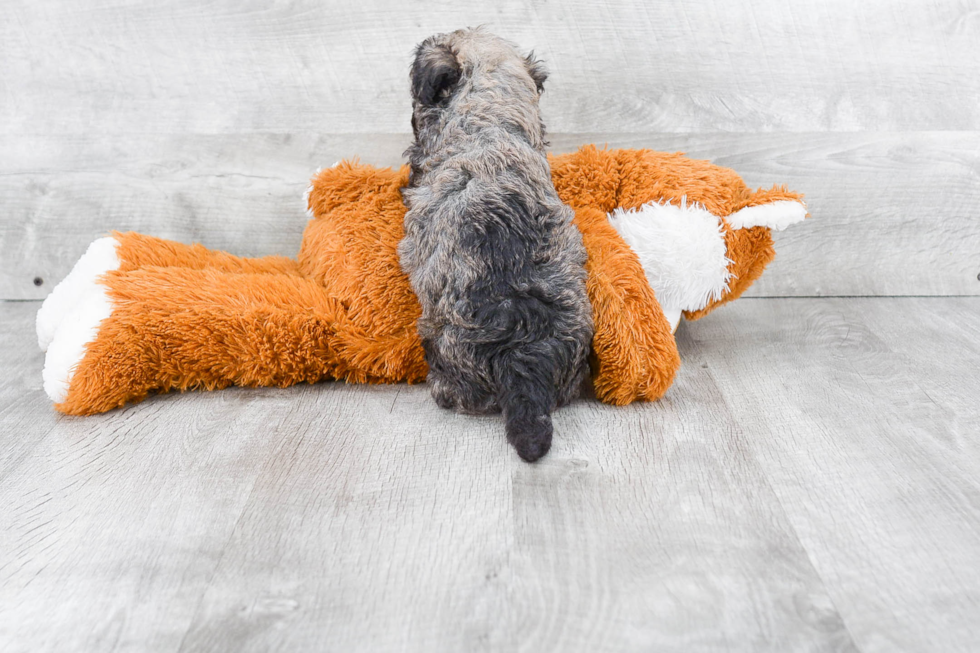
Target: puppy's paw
<point>71,321</point>
<point>99,258</point>
<point>530,435</point>
<point>444,401</point>
<point>440,392</point>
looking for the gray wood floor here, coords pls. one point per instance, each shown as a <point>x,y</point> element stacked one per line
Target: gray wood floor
<point>811,482</point>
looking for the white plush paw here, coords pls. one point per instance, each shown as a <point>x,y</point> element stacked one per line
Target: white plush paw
<point>673,316</point>
<point>99,258</point>
<point>775,215</point>
<point>70,317</point>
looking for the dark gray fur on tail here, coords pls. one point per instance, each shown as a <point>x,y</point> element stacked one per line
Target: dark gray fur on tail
<point>490,249</point>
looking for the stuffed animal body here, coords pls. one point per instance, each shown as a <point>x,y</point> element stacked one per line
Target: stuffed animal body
<point>665,236</point>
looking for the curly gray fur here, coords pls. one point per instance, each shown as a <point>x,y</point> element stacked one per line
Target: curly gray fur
<point>490,249</point>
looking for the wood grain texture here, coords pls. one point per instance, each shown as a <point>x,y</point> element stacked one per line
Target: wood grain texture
<point>20,404</point>
<point>863,414</point>
<point>644,530</point>
<point>893,214</point>
<point>810,483</point>
<point>101,67</point>
<point>204,122</point>
<point>243,194</point>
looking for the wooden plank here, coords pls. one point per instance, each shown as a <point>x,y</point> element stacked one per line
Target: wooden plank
<point>26,415</point>
<point>660,533</point>
<point>114,524</point>
<point>644,529</point>
<point>947,381</point>
<point>673,66</point>
<point>383,530</point>
<point>809,483</point>
<point>893,214</point>
<point>365,518</point>
<point>242,193</point>
<point>872,455</point>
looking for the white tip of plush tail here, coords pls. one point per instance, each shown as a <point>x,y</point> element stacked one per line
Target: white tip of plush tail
<point>775,215</point>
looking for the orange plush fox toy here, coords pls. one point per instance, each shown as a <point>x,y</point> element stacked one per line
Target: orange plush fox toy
<point>666,236</point>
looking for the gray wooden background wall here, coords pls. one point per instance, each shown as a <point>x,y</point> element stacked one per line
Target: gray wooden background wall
<point>203,121</point>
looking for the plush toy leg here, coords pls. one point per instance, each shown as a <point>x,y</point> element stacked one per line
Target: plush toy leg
<point>131,251</point>
<point>636,356</point>
<point>207,329</point>
<point>376,346</point>
<point>137,251</point>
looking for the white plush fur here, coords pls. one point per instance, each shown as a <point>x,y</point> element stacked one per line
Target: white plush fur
<point>99,258</point>
<point>682,250</point>
<point>673,316</point>
<point>775,215</point>
<point>70,317</point>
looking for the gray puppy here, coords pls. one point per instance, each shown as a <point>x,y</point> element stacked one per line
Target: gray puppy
<point>489,248</point>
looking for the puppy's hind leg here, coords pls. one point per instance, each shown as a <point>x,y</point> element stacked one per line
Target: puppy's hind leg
<point>526,394</point>
<point>452,389</point>
<point>441,391</point>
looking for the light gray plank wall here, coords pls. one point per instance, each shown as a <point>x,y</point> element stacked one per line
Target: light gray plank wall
<point>101,67</point>
<point>153,117</point>
<point>893,213</point>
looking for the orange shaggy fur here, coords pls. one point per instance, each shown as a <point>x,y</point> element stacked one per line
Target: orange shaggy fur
<point>187,317</point>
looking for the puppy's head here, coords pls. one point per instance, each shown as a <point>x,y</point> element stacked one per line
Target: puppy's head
<point>474,63</point>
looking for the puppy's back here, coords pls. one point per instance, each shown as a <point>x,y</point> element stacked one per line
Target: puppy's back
<point>490,250</point>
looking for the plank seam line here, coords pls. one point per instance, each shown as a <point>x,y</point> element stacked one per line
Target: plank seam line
<point>782,508</point>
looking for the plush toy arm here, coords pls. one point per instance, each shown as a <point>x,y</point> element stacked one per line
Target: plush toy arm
<point>183,328</point>
<point>748,238</point>
<point>703,237</point>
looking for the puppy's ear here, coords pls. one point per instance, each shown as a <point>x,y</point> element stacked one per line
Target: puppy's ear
<point>434,73</point>
<point>537,71</point>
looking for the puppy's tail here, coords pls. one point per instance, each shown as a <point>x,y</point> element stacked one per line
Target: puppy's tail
<point>526,394</point>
